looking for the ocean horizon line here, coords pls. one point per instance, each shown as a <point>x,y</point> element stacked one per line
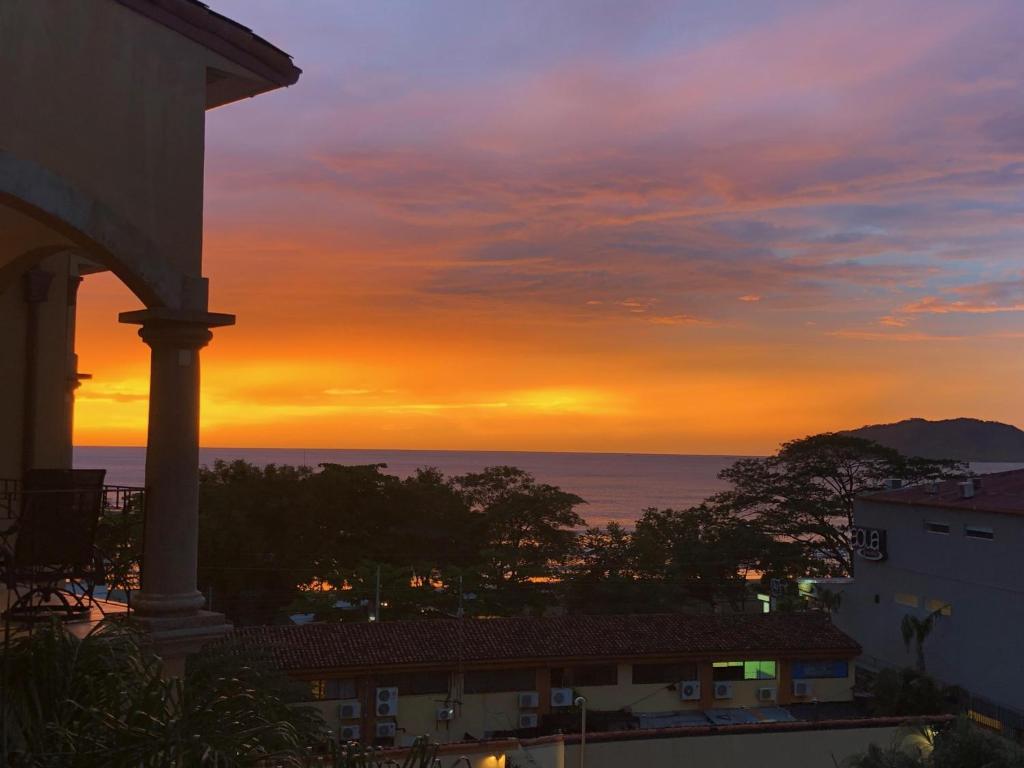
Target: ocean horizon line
<point>446,450</point>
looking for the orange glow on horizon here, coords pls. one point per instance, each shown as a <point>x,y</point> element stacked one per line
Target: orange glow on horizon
<point>623,237</point>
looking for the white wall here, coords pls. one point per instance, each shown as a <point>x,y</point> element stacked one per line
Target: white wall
<point>979,645</point>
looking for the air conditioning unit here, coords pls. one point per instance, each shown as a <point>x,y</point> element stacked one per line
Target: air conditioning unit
<point>723,690</point>
<point>529,700</point>
<point>766,694</point>
<point>387,702</point>
<point>349,733</point>
<point>689,690</point>
<point>802,688</point>
<point>444,714</point>
<point>561,697</point>
<point>527,720</point>
<point>350,709</point>
<point>386,730</point>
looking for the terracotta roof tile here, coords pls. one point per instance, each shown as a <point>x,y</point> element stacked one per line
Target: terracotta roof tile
<point>311,647</point>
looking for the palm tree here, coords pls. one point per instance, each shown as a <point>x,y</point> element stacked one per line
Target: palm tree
<point>915,630</point>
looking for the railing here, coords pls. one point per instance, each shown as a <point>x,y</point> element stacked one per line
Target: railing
<point>118,541</point>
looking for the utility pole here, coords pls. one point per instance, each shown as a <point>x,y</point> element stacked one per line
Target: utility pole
<point>376,608</point>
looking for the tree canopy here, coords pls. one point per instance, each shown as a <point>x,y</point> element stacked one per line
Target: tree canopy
<point>277,539</point>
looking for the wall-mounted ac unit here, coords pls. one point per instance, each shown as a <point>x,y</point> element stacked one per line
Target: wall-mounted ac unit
<point>529,700</point>
<point>528,720</point>
<point>444,714</point>
<point>561,697</point>
<point>766,694</point>
<point>723,690</point>
<point>387,702</point>
<point>350,709</point>
<point>349,733</point>
<point>802,688</point>
<point>689,690</point>
<point>386,730</point>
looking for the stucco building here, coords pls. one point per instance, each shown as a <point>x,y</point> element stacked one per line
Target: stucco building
<point>101,168</point>
<point>952,549</point>
<point>390,682</point>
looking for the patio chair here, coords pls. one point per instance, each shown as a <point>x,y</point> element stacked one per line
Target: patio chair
<point>49,560</point>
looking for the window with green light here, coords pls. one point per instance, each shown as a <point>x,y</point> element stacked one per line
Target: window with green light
<point>722,671</point>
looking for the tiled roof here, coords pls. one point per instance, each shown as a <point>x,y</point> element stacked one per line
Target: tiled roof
<point>310,647</point>
<point>1000,492</point>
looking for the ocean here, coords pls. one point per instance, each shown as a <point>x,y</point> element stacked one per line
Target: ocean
<point>616,486</point>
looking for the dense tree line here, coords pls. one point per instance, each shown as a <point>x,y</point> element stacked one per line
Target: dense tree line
<point>282,539</point>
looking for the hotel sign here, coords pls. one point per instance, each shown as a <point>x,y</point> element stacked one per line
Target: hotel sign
<point>869,543</point>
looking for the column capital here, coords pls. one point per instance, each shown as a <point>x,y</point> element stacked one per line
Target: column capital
<point>183,329</point>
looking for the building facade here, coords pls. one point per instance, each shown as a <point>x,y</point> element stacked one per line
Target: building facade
<point>455,680</point>
<point>952,550</point>
<point>102,135</point>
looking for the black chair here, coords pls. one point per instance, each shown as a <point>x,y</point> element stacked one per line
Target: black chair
<point>50,562</point>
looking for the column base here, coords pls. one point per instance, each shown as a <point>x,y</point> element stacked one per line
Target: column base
<point>175,637</point>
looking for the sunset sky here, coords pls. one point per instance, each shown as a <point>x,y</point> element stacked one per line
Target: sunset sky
<point>686,227</point>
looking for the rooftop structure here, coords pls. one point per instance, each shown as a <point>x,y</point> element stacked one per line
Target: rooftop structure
<point>1000,492</point>
<point>450,641</point>
<point>388,682</point>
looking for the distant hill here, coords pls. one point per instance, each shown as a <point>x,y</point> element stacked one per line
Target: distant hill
<point>963,439</point>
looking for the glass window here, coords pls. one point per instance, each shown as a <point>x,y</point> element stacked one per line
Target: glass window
<point>759,670</point>
<point>414,683</point>
<point>907,599</point>
<point>500,680</point>
<point>595,674</point>
<point>933,527</point>
<point>663,673</point>
<point>977,532</point>
<point>803,670</point>
<point>586,674</point>
<point>943,607</point>
<point>336,688</point>
<point>722,671</point>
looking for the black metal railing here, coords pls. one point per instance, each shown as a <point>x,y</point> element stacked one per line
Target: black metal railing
<point>118,537</point>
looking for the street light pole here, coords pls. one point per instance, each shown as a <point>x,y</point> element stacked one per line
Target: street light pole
<point>582,704</point>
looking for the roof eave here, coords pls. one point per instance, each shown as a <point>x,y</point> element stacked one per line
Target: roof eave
<point>233,41</point>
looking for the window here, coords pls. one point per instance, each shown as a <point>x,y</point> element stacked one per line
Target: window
<point>586,674</point>
<point>663,673</point>
<point>337,688</point>
<point>907,599</point>
<point>414,683</point>
<point>977,532</point>
<point>742,670</point>
<point>933,527</point>
<point>941,606</point>
<point>500,680</point>
<point>818,670</point>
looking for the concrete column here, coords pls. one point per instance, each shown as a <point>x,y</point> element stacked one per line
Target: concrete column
<point>168,604</point>
<point>170,555</point>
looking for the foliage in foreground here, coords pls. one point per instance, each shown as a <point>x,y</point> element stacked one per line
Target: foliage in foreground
<point>101,701</point>
<point>962,746</point>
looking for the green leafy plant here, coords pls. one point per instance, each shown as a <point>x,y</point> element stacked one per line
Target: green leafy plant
<point>908,692</point>
<point>101,701</point>
<point>963,745</point>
